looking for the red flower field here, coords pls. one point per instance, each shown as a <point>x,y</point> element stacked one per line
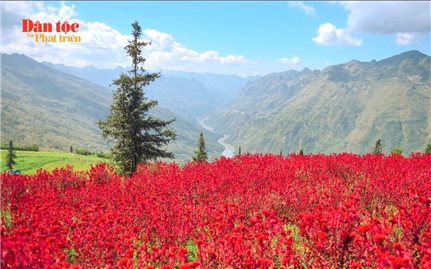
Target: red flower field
<point>251,211</point>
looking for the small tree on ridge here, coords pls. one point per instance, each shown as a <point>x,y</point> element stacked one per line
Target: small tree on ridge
<point>378,147</point>
<point>200,153</point>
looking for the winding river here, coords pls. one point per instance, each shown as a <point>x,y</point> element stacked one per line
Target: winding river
<point>229,150</point>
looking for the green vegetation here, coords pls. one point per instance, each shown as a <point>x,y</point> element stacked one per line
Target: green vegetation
<point>378,147</point>
<point>22,147</point>
<point>192,251</point>
<point>6,217</point>
<point>70,255</point>
<point>54,110</point>
<point>397,151</point>
<point>344,107</point>
<point>83,152</point>
<point>59,111</point>
<point>428,148</point>
<point>200,153</point>
<point>29,162</point>
<point>10,156</point>
<point>136,136</point>
<point>103,155</point>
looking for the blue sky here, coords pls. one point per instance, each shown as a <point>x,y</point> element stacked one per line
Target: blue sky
<point>244,38</point>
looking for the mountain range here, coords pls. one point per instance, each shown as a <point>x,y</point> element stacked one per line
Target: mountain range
<point>345,107</point>
<point>187,94</point>
<point>54,109</point>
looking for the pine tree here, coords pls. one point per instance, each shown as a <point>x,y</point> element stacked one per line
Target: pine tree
<point>200,153</point>
<point>136,136</point>
<point>239,150</point>
<point>428,148</point>
<point>378,147</point>
<point>10,157</point>
<point>71,149</point>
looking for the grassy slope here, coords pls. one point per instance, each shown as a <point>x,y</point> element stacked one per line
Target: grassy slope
<point>55,110</point>
<point>29,162</point>
<point>345,107</point>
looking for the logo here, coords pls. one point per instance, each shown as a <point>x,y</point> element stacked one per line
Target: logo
<point>47,32</point>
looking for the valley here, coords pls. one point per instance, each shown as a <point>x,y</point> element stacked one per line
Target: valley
<point>229,150</point>
<point>344,107</point>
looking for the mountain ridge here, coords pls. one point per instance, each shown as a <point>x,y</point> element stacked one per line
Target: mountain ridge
<point>343,107</point>
<point>188,94</point>
<point>42,105</point>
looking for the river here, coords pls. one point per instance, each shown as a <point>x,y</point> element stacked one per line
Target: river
<point>229,150</point>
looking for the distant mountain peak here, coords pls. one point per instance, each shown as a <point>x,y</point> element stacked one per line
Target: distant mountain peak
<point>354,61</point>
<point>306,71</point>
<point>411,55</point>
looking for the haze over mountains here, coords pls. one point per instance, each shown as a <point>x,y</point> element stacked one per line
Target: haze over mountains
<point>344,107</point>
<point>185,93</point>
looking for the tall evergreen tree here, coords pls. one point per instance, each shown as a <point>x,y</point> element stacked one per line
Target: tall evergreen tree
<point>428,148</point>
<point>378,147</point>
<point>136,136</point>
<point>10,157</point>
<point>200,153</point>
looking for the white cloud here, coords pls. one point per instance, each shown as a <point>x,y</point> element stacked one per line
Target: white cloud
<point>404,38</point>
<point>164,51</point>
<point>101,45</point>
<point>309,10</point>
<point>329,35</point>
<point>293,60</point>
<point>388,17</point>
<point>401,19</point>
<point>98,39</point>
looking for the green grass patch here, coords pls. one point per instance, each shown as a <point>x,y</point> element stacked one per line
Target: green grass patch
<point>298,241</point>
<point>71,255</point>
<point>6,217</point>
<point>192,251</point>
<point>29,162</point>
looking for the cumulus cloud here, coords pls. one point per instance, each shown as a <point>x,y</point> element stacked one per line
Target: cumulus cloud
<point>97,39</point>
<point>309,10</point>
<point>101,45</point>
<point>329,35</point>
<point>293,60</point>
<point>402,19</point>
<point>388,17</point>
<point>164,50</point>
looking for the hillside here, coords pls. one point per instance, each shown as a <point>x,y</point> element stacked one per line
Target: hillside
<point>44,106</point>
<point>190,95</point>
<point>344,107</point>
